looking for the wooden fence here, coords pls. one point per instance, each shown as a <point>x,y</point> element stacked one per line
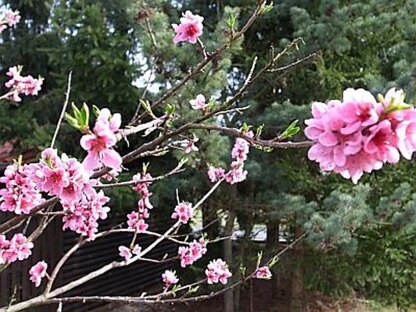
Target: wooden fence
<point>53,243</point>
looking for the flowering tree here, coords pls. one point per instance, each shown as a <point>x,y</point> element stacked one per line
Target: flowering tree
<point>356,135</point>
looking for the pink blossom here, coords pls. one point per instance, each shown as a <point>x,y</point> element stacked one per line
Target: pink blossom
<point>99,144</point>
<point>137,222</point>
<point>236,174</point>
<point>37,272</point>
<point>124,252</point>
<point>215,174</point>
<point>189,254</point>
<point>11,17</point>
<point>263,273</point>
<point>20,193</point>
<point>18,248</point>
<point>405,131</point>
<point>240,150</point>
<point>393,97</point>
<point>199,103</point>
<point>239,154</point>
<point>183,212</point>
<point>217,271</point>
<point>18,84</point>
<point>189,29</point>
<point>136,250</point>
<point>189,146</point>
<point>63,176</point>
<point>169,278</point>
<point>55,180</point>
<point>382,142</point>
<point>82,216</point>
<point>359,134</point>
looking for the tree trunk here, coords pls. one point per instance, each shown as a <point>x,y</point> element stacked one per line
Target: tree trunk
<point>273,244</point>
<point>228,257</point>
<point>209,217</point>
<point>297,293</point>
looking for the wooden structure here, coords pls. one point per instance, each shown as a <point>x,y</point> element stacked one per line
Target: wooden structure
<point>53,243</point>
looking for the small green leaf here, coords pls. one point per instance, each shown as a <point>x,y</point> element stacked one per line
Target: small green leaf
<point>231,21</point>
<point>273,261</point>
<point>96,110</point>
<point>85,113</point>
<point>72,121</point>
<point>77,113</point>
<point>265,8</point>
<point>170,109</point>
<point>259,131</point>
<point>245,127</point>
<point>291,130</point>
<point>193,290</point>
<point>259,256</point>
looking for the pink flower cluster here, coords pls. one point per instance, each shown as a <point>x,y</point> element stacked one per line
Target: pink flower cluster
<point>217,271</point>
<point>82,216</point>
<point>189,254</point>
<point>21,194</point>
<point>100,142</point>
<point>19,84</point>
<point>183,212</point>
<point>239,155</point>
<point>18,248</point>
<point>37,272</point>
<point>199,103</point>
<point>189,145</point>
<point>126,253</point>
<point>263,273</point>
<point>189,29</point>
<point>63,177</point>
<point>137,220</point>
<point>169,278</point>
<point>9,19</point>
<point>360,134</point>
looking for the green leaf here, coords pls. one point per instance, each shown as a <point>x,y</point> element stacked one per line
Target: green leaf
<point>291,130</point>
<point>96,110</point>
<point>85,113</point>
<point>259,131</point>
<point>170,109</point>
<point>76,112</point>
<point>231,21</point>
<point>72,121</point>
<point>265,8</point>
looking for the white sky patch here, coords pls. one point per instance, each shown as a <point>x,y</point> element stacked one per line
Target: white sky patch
<point>147,79</point>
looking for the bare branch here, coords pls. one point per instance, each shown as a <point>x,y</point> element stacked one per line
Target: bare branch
<point>174,171</point>
<point>253,141</point>
<point>61,117</point>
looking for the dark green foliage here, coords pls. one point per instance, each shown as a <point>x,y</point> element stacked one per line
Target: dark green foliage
<point>358,44</point>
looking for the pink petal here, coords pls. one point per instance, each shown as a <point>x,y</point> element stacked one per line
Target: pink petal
<point>111,158</point>
<point>328,139</point>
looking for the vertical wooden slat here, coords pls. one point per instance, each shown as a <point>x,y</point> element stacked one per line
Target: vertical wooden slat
<point>50,247</point>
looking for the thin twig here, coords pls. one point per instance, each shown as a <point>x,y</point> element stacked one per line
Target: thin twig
<point>253,141</point>
<point>174,171</point>
<point>68,91</point>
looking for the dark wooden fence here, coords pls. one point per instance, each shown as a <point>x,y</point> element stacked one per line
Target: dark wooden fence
<point>53,243</point>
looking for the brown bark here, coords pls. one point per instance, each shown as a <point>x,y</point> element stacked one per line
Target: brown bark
<point>272,243</point>
<point>228,257</point>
